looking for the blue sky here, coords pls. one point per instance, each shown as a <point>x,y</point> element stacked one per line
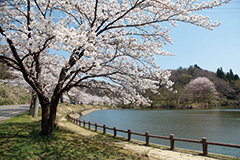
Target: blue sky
<point>208,49</point>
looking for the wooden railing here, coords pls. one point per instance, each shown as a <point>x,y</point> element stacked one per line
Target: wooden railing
<point>147,135</point>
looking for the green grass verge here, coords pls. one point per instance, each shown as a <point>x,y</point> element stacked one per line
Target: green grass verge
<point>20,139</point>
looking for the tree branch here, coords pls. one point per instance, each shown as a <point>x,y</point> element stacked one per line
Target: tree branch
<point>39,8</point>
<point>111,23</point>
<point>6,60</point>
<point>95,13</point>
<point>19,62</point>
<point>66,88</point>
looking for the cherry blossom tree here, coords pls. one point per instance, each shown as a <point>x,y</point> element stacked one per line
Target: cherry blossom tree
<point>201,89</point>
<point>49,76</point>
<point>116,40</point>
<point>79,96</point>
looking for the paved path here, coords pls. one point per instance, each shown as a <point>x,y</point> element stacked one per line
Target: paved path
<point>7,112</point>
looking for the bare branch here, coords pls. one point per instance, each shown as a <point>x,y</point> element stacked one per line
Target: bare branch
<point>95,13</point>
<point>120,17</point>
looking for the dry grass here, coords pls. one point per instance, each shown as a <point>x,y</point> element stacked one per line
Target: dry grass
<point>10,95</point>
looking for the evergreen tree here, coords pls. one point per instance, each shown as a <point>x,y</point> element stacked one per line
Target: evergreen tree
<point>228,76</point>
<point>231,74</point>
<point>196,66</point>
<point>236,77</point>
<point>221,74</point>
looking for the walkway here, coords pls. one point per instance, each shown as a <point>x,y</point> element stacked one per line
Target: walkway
<point>7,112</point>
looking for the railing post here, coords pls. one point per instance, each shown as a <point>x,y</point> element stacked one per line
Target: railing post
<point>129,134</point>
<point>84,124</point>
<point>115,131</point>
<point>104,129</point>
<point>89,125</point>
<point>204,146</point>
<point>147,138</point>
<point>96,127</point>
<point>171,141</point>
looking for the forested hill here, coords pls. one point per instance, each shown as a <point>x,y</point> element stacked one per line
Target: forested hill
<point>198,88</point>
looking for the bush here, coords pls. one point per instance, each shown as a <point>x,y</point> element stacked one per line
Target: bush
<point>5,101</point>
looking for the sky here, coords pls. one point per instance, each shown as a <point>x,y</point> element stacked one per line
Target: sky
<point>208,49</point>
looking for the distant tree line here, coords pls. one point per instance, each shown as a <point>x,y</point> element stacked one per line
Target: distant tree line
<point>229,76</point>
<point>197,88</point>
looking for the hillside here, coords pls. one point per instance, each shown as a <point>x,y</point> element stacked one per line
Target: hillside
<point>13,95</point>
<point>10,94</point>
<point>226,90</point>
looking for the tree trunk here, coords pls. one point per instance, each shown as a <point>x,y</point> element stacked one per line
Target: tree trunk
<point>36,106</point>
<point>53,109</point>
<point>44,101</point>
<point>61,99</point>
<point>53,114</point>
<point>49,113</point>
<point>49,109</point>
<point>32,105</point>
<point>54,102</point>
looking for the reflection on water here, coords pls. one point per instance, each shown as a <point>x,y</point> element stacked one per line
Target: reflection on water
<point>218,125</point>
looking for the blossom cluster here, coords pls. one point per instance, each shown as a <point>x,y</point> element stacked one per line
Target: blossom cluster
<point>117,40</point>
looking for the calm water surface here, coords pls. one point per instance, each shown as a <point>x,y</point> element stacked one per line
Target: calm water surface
<point>218,125</point>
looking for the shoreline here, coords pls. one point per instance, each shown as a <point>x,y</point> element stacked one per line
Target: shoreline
<point>87,111</point>
<point>155,151</point>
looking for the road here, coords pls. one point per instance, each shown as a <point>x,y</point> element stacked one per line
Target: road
<point>7,112</point>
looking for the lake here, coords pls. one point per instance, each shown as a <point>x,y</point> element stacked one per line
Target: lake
<point>218,125</point>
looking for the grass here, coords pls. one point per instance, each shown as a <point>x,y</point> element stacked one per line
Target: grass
<point>20,139</point>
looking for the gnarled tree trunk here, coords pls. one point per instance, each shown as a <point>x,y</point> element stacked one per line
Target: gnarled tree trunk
<point>50,108</point>
<point>49,113</point>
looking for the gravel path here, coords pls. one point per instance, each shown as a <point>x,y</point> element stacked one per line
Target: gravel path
<point>161,154</point>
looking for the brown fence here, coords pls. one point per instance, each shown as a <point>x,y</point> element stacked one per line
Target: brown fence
<point>147,135</point>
